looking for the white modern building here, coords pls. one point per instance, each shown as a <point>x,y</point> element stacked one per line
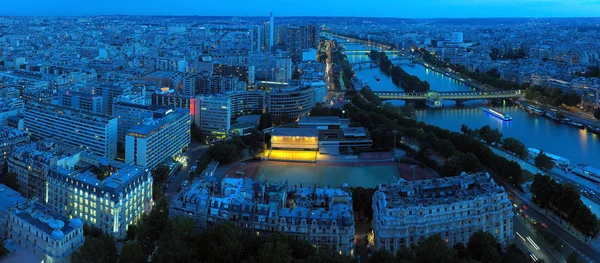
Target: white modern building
<point>212,115</point>
<point>158,139</point>
<point>109,195</point>
<point>81,101</point>
<point>130,115</point>
<point>452,207</point>
<point>246,102</point>
<point>283,69</point>
<point>457,37</point>
<point>50,236</point>
<point>291,101</point>
<point>93,132</point>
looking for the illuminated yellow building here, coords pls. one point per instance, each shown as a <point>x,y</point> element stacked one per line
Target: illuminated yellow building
<point>294,144</point>
<point>295,139</point>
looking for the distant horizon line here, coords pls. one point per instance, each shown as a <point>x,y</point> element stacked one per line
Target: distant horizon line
<point>307,16</point>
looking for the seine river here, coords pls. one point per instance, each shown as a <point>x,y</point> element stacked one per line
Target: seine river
<point>577,145</point>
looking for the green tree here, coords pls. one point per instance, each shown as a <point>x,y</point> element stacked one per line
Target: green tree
<point>133,252</point>
<point>543,162</point>
<point>152,225</point>
<point>196,134</point>
<point>489,135</point>
<point>10,180</point>
<point>270,252</point>
<point>470,163</point>
<point>160,173</point>
<point>97,248</point>
<point>408,111</point>
<point>465,129</point>
<point>131,232</point>
<point>573,257</point>
<point>433,249</point>
<point>3,250</point>
<point>177,243</point>
<point>265,121</point>
<point>516,147</point>
<point>483,247</point>
<point>222,243</point>
<point>381,256</point>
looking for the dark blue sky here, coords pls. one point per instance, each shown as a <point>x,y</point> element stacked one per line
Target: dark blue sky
<point>365,8</point>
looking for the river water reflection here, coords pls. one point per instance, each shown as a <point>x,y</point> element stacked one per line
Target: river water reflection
<point>577,145</point>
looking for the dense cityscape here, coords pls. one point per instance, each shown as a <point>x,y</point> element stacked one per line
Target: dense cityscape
<point>299,139</point>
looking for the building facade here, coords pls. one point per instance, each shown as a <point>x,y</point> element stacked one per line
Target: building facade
<point>9,139</point>
<point>452,207</point>
<point>246,102</point>
<point>93,132</point>
<point>31,163</point>
<point>109,195</point>
<point>212,115</point>
<point>10,107</point>
<point>292,102</point>
<point>320,216</point>
<point>156,140</point>
<point>81,101</point>
<point>130,115</point>
<point>43,232</point>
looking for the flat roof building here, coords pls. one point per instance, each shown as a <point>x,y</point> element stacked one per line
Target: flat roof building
<point>294,138</point>
<point>452,207</point>
<point>130,115</point>
<point>81,101</point>
<point>93,132</point>
<point>158,139</point>
<point>212,115</point>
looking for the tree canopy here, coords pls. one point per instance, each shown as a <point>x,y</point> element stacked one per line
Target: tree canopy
<point>551,96</point>
<point>399,76</point>
<point>543,162</point>
<point>516,147</point>
<point>564,200</point>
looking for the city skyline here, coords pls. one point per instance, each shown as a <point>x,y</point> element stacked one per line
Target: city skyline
<point>380,8</point>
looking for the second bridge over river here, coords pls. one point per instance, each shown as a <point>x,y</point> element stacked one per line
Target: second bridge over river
<point>434,99</point>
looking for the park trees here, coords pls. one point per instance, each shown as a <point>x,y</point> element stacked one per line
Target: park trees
<point>566,202</point>
<point>516,147</point>
<point>98,247</point>
<point>543,162</point>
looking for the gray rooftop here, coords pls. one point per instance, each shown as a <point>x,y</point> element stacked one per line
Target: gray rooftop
<point>156,124</point>
<point>301,132</point>
<point>319,120</point>
<point>42,217</point>
<point>9,198</point>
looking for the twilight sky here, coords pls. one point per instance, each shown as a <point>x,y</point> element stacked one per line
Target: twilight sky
<point>364,8</point>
